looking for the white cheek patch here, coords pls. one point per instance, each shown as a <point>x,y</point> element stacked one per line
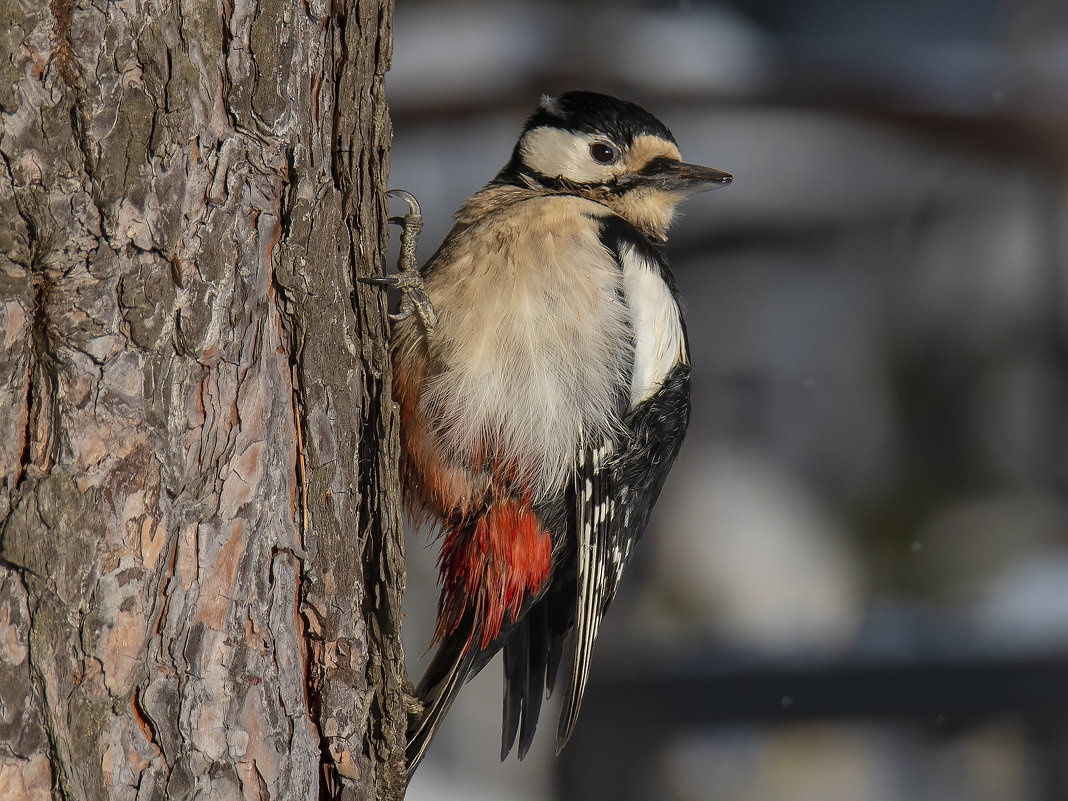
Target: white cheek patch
<point>657,326</point>
<point>554,153</point>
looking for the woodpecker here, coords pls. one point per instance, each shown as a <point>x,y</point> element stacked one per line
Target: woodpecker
<point>541,368</point>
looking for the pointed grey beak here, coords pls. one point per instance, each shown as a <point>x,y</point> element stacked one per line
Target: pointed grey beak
<point>678,176</point>
<point>668,175</point>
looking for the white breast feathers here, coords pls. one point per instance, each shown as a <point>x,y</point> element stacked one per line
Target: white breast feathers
<point>659,343</point>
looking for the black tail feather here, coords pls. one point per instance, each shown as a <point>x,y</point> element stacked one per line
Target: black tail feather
<point>537,629</point>
<point>516,660</point>
<point>525,662</point>
<point>439,686</point>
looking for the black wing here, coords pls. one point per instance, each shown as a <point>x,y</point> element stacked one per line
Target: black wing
<point>614,498</point>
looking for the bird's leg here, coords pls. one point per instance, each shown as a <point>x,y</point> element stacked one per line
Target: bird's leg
<point>408,280</point>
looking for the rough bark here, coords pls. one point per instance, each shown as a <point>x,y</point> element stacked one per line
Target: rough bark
<point>201,554</point>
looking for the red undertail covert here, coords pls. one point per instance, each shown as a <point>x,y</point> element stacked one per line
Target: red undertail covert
<point>497,562</point>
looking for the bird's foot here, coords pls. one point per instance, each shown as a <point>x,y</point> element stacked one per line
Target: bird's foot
<point>408,280</point>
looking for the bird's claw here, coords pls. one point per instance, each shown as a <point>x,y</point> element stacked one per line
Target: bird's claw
<point>409,198</point>
<point>408,280</point>
<point>410,283</point>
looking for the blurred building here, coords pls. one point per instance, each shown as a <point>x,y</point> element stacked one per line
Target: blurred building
<point>856,584</point>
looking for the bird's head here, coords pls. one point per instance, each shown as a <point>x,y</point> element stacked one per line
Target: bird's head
<point>611,151</point>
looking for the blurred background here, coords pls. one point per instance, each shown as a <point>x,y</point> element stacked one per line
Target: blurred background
<point>855,585</point>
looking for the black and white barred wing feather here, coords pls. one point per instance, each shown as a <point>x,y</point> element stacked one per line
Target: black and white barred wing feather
<point>598,564</point>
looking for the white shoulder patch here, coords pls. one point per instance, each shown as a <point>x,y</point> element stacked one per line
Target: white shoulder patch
<point>657,325</point>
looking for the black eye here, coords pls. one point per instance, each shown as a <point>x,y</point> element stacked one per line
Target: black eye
<point>602,153</point>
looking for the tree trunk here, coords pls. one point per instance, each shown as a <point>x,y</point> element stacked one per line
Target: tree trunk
<point>201,554</point>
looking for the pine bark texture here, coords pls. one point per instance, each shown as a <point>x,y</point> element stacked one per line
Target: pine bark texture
<point>200,550</point>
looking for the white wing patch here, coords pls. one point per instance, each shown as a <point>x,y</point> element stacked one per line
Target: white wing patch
<point>657,326</point>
